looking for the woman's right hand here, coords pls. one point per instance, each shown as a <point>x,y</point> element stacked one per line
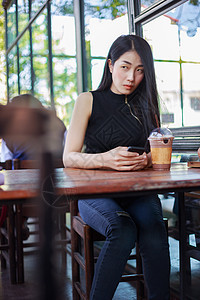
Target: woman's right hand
<point>122,160</point>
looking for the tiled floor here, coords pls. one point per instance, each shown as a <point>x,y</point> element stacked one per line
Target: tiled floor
<point>32,286</point>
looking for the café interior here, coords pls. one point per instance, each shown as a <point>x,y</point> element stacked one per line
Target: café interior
<point>54,51</point>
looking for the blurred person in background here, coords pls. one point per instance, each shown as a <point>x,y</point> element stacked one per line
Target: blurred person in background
<point>27,149</point>
<point>18,142</point>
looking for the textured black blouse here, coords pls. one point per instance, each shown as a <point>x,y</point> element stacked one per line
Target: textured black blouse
<point>112,124</point>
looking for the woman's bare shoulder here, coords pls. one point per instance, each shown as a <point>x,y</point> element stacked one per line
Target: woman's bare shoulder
<point>86,97</point>
<point>84,102</point>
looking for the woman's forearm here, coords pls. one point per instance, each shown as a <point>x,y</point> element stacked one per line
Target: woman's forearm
<point>85,160</point>
<point>116,159</point>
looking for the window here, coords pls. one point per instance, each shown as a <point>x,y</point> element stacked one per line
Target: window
<point>174,36</point>
<point>44,59</point>
<point>104,21</point>
<point>195,103</point>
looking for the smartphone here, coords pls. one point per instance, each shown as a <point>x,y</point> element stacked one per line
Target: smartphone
<point>139,150</point>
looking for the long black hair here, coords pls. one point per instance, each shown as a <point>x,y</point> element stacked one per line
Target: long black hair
<point>147,88</point>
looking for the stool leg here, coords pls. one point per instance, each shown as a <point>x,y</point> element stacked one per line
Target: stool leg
<point>74,249</point>
<point>89,259</point>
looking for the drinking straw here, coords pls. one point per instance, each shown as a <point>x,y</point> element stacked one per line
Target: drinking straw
<point>157,123</point>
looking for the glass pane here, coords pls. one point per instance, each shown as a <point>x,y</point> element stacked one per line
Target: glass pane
<point>64,58</point>
<point>62,7</point>
<point>191,87</point>
<point>104,21</point>
<point>65,87</point>
<point>11,29</point>
<point>97,71</point>
<point>36,5</point>
<point>190,43</point>
<point>41,86</point>
<point>163,38</point>
<point>39,35</point>
<point>169,92</point>
<point>25,63</point>
<point>146,3</point>
<point>187,19</point>
<point>13,77</point>
<point>40,59</point>
<point>23,14</point>
<point>174,38</point>
<point>63,39</point>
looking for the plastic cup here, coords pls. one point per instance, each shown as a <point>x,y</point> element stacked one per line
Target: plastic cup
<point>161,140</point>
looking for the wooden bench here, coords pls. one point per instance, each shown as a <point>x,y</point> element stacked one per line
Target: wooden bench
<point>186,143</point>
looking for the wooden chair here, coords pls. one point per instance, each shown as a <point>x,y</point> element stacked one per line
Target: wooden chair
<point>186,143</point>
<point>192,206</point>
<point>33,164</point>
<point>186,140</point>
<point>7,234</point>
<point>60,218</point>
<point>32,212</point>
<point>7,165</point>
<point>80,231</point>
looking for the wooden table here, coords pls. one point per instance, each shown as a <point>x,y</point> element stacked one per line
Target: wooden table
<point>21,185</point>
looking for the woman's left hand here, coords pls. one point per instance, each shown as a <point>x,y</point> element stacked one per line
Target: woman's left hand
<point>144,161</point>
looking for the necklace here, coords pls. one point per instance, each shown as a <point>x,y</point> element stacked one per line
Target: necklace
<point>131,112</point>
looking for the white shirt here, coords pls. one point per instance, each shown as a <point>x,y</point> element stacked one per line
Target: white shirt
<point>5,152</point>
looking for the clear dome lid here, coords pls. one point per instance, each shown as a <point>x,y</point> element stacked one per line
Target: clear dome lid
<point>161,132</point>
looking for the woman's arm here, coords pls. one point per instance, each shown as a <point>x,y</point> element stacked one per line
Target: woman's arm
<point>118,158</point>
<point>199,152</point>
<point>72,156</point>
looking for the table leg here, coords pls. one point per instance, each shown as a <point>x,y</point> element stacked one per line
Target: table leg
<point>182,244</point>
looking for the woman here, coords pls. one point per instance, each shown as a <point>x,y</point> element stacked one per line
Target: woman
<point>121,113</point>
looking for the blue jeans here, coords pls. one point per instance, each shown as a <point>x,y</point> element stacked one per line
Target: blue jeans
<point>122,222</point>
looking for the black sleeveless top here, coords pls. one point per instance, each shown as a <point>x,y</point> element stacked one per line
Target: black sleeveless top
<point>111,123</point>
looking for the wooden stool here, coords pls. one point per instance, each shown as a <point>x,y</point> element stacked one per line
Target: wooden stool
<point>192,204</point>
<point>80,230</point>
<point>60,221</point>
<point>7,233</point>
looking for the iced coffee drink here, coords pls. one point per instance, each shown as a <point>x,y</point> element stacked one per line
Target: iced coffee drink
<point>161,140</point>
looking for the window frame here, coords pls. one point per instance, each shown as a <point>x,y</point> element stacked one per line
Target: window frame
<point>138,18</point>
